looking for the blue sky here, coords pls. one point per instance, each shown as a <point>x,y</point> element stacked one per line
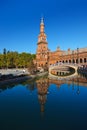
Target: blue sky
<point>65,24</point>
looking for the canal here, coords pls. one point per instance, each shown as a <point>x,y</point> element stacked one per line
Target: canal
<point>43,104</point>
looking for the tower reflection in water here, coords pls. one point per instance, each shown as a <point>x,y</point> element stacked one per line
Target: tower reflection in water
<point>44,83</point>
<point>42,88</point>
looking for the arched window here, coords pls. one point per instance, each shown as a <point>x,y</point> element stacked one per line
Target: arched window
<point>73,61</point>
<point>76,60</point>
<point>84,60</point>
<point>80,60</point>
<point>69,61</point>
<point>66,61</point>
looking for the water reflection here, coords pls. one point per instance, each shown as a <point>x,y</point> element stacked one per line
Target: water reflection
<point>60,101</point>
<point>42,88</point>
<point>43,83</point>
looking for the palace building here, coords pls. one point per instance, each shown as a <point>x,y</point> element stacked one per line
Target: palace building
<point>45,57</point>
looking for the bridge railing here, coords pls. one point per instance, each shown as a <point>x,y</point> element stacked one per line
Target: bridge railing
<point>60,64</point>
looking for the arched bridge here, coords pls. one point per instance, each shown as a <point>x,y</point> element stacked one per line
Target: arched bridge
<point>59,66</point>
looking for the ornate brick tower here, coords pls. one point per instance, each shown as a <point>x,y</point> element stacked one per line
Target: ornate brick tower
<point>42,47</point>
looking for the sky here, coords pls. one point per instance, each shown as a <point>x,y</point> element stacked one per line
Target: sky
<point>65,24</point>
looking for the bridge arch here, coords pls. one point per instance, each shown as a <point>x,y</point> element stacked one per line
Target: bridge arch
<point>75,67</point>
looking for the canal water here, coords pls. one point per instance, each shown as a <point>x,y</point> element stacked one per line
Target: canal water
<point>44,104</point>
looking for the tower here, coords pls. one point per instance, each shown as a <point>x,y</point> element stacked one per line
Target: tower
<point>42,47</point>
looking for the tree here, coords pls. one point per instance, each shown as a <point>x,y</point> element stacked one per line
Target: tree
<point>1,61</point>
<point>10,59</point>
<point>4,58</point>
<point>31,67</point>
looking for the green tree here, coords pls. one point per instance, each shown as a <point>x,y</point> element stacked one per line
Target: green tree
<point>1,61</point>
<point>4,58</point>
<point>10,59</point>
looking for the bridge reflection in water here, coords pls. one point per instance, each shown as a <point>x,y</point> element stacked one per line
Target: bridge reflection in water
<point>60,101</point>
<point>44,83</point>
<point>63,70</point>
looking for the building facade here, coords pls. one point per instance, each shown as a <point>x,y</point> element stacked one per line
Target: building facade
<point>45,57</point>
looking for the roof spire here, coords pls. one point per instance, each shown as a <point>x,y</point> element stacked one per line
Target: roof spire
<point>42,20</point>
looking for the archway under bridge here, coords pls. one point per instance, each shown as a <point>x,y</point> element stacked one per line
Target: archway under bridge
<point>59,66</point>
